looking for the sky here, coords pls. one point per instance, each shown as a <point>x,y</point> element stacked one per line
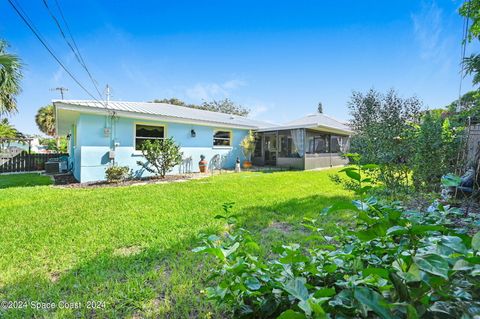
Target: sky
<point>278,58</point>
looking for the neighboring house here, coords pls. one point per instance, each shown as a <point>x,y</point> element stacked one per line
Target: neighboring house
<point>100,135</point>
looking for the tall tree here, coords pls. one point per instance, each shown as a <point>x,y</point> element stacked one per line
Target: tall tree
<point>172,100</point>
<point>223,106</point>
<point>10,76</point>
<point>471,65</point>
<point>45,120</point>
<point>320,108</point>
<point>384,125</point>
<point>7,130</point>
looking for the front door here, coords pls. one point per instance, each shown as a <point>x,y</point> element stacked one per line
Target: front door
<point>270,149</point>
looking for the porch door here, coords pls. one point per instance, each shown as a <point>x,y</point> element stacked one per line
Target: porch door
<point>270,149</point>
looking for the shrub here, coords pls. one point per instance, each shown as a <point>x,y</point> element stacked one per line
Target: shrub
<point>398,264</point>
<point>116,173</point>
<point>437,148</point>
<point>361,178</point>
<point>384,126</point>
<point>248,145</point>
<point>161,156</point>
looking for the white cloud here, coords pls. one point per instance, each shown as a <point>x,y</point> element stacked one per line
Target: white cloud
<point>429,32</point>
<point>257,110</point>
<point>427,26</point>
<point>234,84</point>
<point>59,74</point>
<point>213,91</point>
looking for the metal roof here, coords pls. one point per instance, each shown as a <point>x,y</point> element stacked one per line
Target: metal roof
<point>171,112</point>
<point>166,110</point>
<point>315,121</point>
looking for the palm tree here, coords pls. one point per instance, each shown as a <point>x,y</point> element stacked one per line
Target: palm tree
<point>7,130</point>
<point>45,120</point>
<point>10,75</point>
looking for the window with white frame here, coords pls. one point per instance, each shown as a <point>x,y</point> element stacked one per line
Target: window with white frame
<point>147,132</point>
<point>222,138</point>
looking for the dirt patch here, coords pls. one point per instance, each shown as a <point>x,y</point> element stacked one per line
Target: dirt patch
<point>55,276</point>
<point>280,226</point>
<point>127,251</point>
<point>64,179</point>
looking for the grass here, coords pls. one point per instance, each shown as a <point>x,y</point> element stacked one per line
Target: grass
<point>129,247</point>
<point>22,180</point>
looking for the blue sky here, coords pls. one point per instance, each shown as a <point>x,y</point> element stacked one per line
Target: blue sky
<point>279,58</point>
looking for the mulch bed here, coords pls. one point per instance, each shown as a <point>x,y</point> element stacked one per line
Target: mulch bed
<point>64,179</point>
<point>68,181</point>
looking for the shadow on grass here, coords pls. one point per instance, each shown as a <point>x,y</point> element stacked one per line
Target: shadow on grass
<point>140,282</point>
<point>23,180</point>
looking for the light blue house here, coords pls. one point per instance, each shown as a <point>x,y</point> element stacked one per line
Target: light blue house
<point>101,134</point>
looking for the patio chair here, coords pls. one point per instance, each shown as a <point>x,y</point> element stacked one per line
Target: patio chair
<point>216,163</point>
<point>186,165</point>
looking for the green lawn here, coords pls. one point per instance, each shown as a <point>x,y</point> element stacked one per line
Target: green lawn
<point>130,246</point>
<point>21,180</point>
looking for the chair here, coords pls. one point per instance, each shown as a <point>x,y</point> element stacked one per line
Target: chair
<point>216,163</point>
<point>186,165</point>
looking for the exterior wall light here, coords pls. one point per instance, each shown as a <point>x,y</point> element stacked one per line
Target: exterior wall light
<point>192,133</point>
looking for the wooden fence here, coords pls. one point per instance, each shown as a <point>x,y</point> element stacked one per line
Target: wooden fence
<point>25,162</point>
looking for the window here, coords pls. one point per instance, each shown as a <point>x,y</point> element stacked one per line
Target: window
<point>147,132</point>
<point>222,138</point>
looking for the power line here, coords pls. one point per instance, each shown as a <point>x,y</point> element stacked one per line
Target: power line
<point>68,30</point>
<point>463,52</point>
<point>30,25</point>
<point>75,50</point>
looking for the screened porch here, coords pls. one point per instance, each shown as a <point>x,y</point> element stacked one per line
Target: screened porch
<point>300,148</point>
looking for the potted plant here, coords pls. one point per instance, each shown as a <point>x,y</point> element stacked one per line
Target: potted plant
<point>248,146</point>
<point>202,165</point>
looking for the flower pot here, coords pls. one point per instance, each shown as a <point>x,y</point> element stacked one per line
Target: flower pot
<point>247,164</point>
<point>202,165</point>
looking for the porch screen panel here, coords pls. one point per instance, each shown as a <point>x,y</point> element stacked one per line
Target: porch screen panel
<point>317,143</point>
<point>258,146</point>
<point>298,139</point>
<point>147,132</point>
<point>338,144</point>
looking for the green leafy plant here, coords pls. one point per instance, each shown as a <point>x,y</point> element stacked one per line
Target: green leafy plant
<point>161,156</point>
<point>248,145</point>
<point>436,152</point>
<point>385,126</point>
<point>398,264</point>
<point>360,175</point>
<point>115,173</point>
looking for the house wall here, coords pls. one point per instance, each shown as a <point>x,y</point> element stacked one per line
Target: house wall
<point>92,150</point>
<point>313,161</point>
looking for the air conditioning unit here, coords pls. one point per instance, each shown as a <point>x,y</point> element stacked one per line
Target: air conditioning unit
<point>52,167</point>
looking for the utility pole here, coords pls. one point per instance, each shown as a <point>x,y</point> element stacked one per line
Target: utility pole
<point>107,93</point>
<point>61,89</point>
